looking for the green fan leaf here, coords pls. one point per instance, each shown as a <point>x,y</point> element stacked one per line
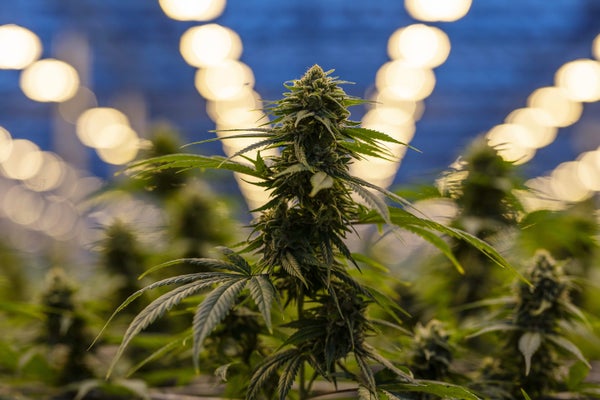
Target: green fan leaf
<point>569,346</point>
<point>154,311</point>
<point>263,293</point>
<point>266,370</point>
<point>237,261</point>
<point>207,278</point>
<point>529,343</point>
<point>441,389</point>
<point>291,266</point>
<point>213,309</point>
<point>187,161</point>
<point>288,375</point>
<point>319,181</point>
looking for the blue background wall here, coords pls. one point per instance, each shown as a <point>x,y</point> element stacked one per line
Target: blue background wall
<point>501,52</point>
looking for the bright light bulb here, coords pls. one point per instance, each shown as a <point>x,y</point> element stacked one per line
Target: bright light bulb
<point>580,79</point>
<point>24,160</point>
<point>50,174</point>
<point>192,10</point>
<point>437,10</point>
<point>596,47</point>
<point>5,144</point>
<point>49,80</point>
<point>511,142</point>
<point>102,127</point>
<point>566,184</point>
<point>561,110</point>
<point>405,81</point>
<point>419,45</point>
<point>19,47</point>
<point>540,131</point>
<point>209,45</point>
<point>121,154</point>
<point>589,170</point>
<point>225,81</point>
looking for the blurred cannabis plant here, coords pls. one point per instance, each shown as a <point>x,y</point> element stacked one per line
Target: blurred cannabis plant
<point>302,262</point>
<point>535,333</point>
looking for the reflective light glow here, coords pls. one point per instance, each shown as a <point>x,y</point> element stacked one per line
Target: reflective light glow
<point>24,160</point>
<point>511,142</point>
<point>241,110</point>
<point>50,174</point>
<point>540,132</point>
<point>566,185</point>
<point>386,99</point>
<point>19,47</point>
<point>419,45</point>
<point>23,206</point>
<point>121,154</point>
<point>209,45</point>
<point>225,81</point>
<point>437,10</point>
<point>588,170</point>
<point>71,109</point>
<point>192,10</point>
<point>596,47</point>
<point>562,110</point>
<point>49,80</point>
<point>405,81</point>
<point>393,122</point>
<point>580,79</point>
<point>102,127</point>
<point>5,144</point>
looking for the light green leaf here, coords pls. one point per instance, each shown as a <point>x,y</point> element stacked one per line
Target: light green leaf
<point>291,266</point>
<point>529,343</point>
<point>288,375</point>
<point>569,346</point>
<point>441,389</point>
<point>319,181</point>
<point>162,351</point>
<point>183,161</point>
<point>525,395</point>
<point>207,278</point>
<point>237,261</point>
<point>266,370</point>
<point>263,293</point>
<point>154,311</point>
<point>213,309</point>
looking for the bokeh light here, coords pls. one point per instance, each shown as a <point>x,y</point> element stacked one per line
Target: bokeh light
<point>580,79</point>
<point>405,81</point>
<point>512,142</point>
<point>49,80</point>
<point>22,206</point>
<point>589,169</point>
<point>71,109</point>
<point>566,184</point>
<point>540,132</point>
<point>419,45</point>
<point>562,110</point>
<point>596,47</point>
<point>121,154</point>
<point>50,174</point>
<point>5,144</point>
<point>209,45</point>
<point>102,127</point>
<point>19,47</point>
<point>225,81</point>
<point>437,10</point>
<point>241,111</point>
<point>192,10</point>
<point>24,160</point>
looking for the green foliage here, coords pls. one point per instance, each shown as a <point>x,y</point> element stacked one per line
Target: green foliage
<point>535,326</point>
<point>297,258</point>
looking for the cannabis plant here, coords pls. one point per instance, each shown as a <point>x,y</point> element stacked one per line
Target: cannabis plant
<point>481,184</point>
<point>536,329</point>
<point>297,264</point>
